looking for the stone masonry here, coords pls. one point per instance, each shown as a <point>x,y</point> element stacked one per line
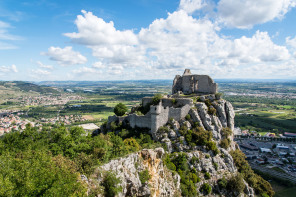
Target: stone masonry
<point>191,83</point>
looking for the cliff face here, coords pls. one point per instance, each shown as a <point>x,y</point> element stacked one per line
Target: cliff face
<point>161,182</point>
<point>196,157</point>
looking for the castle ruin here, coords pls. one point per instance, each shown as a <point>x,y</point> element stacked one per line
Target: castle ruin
<point>190,83</point>
<point>172,107</point>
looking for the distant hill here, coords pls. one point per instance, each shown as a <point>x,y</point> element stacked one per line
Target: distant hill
<point>28,87</point>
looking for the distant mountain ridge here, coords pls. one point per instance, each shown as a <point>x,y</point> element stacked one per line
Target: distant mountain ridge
<point>28,86</point>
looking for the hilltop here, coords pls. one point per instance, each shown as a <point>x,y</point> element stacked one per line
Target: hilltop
<point>198,156</point>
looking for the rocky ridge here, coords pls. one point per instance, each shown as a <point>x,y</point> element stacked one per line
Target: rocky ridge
<point>209,162</point>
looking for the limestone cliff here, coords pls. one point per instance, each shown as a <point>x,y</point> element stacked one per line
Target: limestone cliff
<point>208,159</point>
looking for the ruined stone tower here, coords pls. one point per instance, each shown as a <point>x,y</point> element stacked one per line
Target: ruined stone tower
<point>191,83</point>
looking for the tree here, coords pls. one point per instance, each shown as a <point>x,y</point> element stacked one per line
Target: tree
<point>110,183</point>
<point>120,109</point>
<point>156,99</point>
<point>206,188</point>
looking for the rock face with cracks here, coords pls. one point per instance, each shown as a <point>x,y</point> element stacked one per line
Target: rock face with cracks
<point>162,182</point>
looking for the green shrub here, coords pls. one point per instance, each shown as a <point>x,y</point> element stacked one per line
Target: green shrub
<point>180,162</point>
<point>264,195</point>
<point>183,129</point>
<point>207,156</point>
<point>212,146</point>
<point>156,99</point>
<point>208,103</point>
<point>225,143</point>
<point>226,132</point>
<point>170,165</point>
<point>222,183</point>
<point>236,183</point>
<point>207,175</point>
<point>212,111</point>
<point>218,95</point>
<point>206,188</point>
<point>194,177</point>
<point>120,109</point>
<point>215,166</point>
<point>113,126</point>
<point>188,187</point>
<point>163,129</point>
<point>187,117</point>
<point>174,101</point>
<point>257,182</point>
<point>110,183</point>
<point>131,145</point>
<point>194,160</point>
<point>144,176</point>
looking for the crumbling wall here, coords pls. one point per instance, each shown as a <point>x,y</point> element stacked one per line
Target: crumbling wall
<point>140,121</point>
<point>190,83</point>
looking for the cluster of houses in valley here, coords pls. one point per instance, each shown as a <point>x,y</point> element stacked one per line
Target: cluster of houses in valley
<point>66,120</point>
<point>47,99</point>
<point>11,122</point>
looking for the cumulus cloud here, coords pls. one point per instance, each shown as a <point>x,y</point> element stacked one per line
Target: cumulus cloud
<point>190,6</point>
<point>95,31</point>
<point>246,13</point>
<point>258,48</point>
<point>65,56</point>
<point>183,41</point>
<point>40,72</point>
<point>291,42</point>
<point>41,65</point>
<point>8,69</point>
<point>98,65</point>
<point>108,44</point>
<point>168,45</point>
<point>86,70</point>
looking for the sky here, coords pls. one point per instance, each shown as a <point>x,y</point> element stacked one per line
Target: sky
<point>98,40</point>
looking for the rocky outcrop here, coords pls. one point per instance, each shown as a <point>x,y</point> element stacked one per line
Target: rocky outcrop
<point>230,115</point>
<point>195,117</point>
<point>191,83</point>
<point>204,116</point>
<point>162,182</point>
<point>220,108</point>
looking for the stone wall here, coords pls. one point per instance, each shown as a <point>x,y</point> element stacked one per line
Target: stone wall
<point>140,121</point>
<point>191,83</point>
<point>159,116</point>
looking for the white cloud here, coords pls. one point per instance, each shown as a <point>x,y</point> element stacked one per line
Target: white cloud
<point>5,36</point>
<point>98,65</point>
<point>65,56</point>
<point>246,13</point>
<point>258,48</point>
<point>40,72</point>
<point>8,69</point>
<point>182,41</point>
<point>291,42</point>
<point>168,45</point>
<point>41,65</point>
<point>85,70</point>
<point>95,31</point>
<point>108,44</point>
<point>13,68</point>
<point>191,6</point>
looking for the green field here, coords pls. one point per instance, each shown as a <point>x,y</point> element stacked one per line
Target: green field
<point>289,192</point>
<point>266,117</point>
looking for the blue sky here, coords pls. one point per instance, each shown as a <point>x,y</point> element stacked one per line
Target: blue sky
<point>146,39</point>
